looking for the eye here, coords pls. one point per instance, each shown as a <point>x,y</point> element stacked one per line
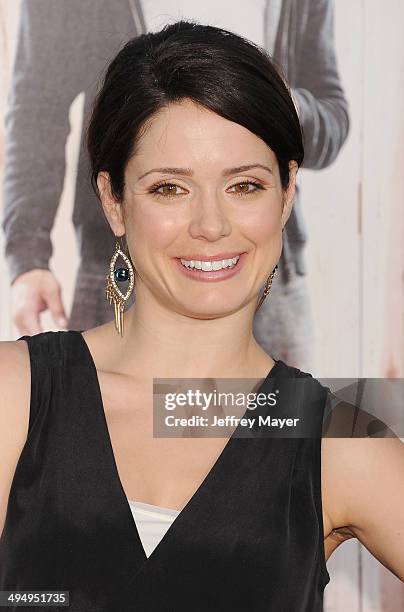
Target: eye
<point>247,191</point>
<point>169,189</point>
<point>169,192</point>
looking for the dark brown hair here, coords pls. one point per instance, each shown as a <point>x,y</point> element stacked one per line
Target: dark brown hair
<point>215,68</point>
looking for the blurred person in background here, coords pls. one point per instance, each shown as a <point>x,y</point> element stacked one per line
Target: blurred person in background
<point>60,47</point>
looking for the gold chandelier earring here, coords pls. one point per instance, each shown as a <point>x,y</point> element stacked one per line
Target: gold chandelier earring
<point>113,293</point>
<point>267,287</point>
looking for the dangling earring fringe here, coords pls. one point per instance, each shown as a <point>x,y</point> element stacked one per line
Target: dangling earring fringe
<point>267,287</point>
<point>112,291</point>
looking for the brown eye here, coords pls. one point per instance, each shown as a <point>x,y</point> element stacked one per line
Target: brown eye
<point>168,190</point>
<point>245,188</point>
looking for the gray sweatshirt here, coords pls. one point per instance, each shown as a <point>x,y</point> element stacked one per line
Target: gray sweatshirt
<point>63,49</point>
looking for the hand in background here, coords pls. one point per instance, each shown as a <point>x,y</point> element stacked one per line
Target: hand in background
<point>32,293</point>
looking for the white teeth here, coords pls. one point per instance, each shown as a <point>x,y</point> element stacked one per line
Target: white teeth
<point>208,266</point>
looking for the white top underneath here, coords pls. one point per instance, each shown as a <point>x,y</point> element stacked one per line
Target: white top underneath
<point>152,523</point>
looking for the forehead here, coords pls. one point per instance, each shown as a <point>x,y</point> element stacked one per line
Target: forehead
<point>187,134</point>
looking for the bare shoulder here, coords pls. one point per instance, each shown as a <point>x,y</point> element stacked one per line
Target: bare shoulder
<point>15,382</point>
<point>15,392</point>
<point>98,339</point>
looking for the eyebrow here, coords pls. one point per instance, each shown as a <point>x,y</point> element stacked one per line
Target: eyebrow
<point>189,171</point>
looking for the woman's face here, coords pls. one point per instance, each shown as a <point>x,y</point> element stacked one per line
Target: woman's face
<point>198,187</point>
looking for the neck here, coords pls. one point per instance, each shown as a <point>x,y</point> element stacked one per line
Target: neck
<point>170,344</point>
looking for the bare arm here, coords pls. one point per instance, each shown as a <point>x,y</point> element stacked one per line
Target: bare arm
<point>15,384</point>
<point>364,488</point>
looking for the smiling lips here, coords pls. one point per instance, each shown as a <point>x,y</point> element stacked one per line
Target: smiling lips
<point>208,266</point>
<point>215,268</point>
<point>202,257</point>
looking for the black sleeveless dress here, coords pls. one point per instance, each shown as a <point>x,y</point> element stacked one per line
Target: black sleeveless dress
<point>250,539</point>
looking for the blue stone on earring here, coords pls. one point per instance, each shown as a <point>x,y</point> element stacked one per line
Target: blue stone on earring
<point>121,274</point>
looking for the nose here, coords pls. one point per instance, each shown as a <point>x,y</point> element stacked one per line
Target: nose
<point>209,219</point>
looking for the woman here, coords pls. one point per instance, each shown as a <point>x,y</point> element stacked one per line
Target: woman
<point>195,145</point>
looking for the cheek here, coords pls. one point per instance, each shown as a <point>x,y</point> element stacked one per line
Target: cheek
<point>263,224</point>
<point>153,230</point>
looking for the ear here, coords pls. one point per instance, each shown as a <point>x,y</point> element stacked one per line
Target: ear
<point>112,208</point>
<point>289,193</point>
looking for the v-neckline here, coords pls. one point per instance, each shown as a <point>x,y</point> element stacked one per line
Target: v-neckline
<point>170,533</point>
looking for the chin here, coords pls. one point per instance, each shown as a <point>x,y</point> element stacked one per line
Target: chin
<point>210,311</point>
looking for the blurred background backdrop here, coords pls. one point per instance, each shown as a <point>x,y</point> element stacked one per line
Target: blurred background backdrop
<point>354,214</point>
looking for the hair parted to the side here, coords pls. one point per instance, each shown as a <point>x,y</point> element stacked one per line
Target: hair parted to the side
<point>213,67</point>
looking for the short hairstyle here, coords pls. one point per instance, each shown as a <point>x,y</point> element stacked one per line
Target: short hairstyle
<point>214,68</point>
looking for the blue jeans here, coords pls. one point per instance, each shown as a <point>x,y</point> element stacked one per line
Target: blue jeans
<point>282,326</point>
